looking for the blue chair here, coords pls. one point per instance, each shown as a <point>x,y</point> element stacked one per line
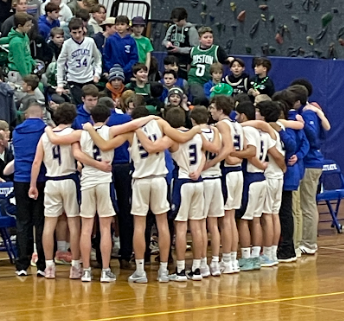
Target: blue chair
<point>331,190</point>
<point>7,218</point>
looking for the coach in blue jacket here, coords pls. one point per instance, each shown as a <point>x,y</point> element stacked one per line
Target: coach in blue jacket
<point>30,212</point>
<point>121,49</point>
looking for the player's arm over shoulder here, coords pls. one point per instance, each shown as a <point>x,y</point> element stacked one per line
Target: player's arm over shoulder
<point>63,139</point>
<point>176,135</point>
<point>153,147</point>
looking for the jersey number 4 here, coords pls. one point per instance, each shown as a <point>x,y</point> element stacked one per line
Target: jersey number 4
<point>57,153</point>
<point>143,153</point>
<point>81,62</point>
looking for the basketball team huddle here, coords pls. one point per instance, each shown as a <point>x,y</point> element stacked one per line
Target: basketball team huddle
<point>225,175</point>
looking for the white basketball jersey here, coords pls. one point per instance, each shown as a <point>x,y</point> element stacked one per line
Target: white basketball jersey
<point>238,137</point>
<point>262,141</point>
<point>214,171</point>
<point>58,159</point>
<point>146,164</point>
<point>188,156</point>
<point>273,170</point>
<point>91,176</point>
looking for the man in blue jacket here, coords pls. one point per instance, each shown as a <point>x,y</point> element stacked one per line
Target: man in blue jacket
<point>313,163</point>
<point>30,212</point>
<point>121,48</point>
<point>90,95</point>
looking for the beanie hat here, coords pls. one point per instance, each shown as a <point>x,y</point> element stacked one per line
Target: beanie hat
<point>116,72</point>
<point>176,91</point>
<point>222,89</point>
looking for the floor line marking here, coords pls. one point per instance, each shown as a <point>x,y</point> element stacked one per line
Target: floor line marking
<point>314,307</point>
<point>332,248</point>
<point>218,307</point>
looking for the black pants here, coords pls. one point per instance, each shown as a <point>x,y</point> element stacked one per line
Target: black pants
<point>30,213</point>
<point>122,178</point>
<point>76,91</point>
<point>286,245</point>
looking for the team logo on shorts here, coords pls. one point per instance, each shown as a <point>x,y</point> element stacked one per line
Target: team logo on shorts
<point>173,207</point>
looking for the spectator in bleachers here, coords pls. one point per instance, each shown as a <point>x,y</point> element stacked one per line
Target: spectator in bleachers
<point>121,49</point>
<point>84,15</point>
<point>144,45</point>
<point>34,8</point>
<point>57,40</point>
<point>8,111</point>
<point>216,71</point>
<point>108,29</point>
<point>76,5</point>
<point>49,21</point>
<point>5,11</point>
<point>65,13</point>
<point>19,6</point>
<point>180,38</point>
<point>171,63</point>
<point>115,87</point>
<point>140,83</point>
<point>6,155</point>
<point>98,15</point>
<point>19,56</point>
<point>239,80</point>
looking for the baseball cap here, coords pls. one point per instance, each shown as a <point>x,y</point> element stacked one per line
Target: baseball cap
<point>138,21</point>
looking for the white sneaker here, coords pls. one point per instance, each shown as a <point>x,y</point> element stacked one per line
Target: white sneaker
<point>107,276</point>
<point>205,271</point>
<point>235,266</point>
<point>215,269</point>
<point>226,267</point>
<point>163,276</point>
<point>86,275</point>
<point>138,278</point>
<point>298,252</point>
<point>21,273</point>
<point>40,273</point>
<point>306,250</point>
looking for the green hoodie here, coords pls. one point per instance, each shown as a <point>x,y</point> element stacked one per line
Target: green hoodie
<point>19,55</point>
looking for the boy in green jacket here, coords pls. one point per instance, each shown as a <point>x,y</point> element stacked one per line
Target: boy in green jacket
<point>19,57</point>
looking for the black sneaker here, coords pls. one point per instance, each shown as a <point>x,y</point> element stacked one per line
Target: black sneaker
<point>178,277</point>
<point>194,275</point>
<point>283,258</point>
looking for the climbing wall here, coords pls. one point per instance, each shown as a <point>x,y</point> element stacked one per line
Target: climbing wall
<point>308,28</point>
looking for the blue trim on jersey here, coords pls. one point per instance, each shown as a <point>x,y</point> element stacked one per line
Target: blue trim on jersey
<point>74,177</point>
<point>176,195</point>
<point>113,196</point>
<point>249,178</point>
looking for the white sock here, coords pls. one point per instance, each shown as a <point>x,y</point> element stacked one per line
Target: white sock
<point>215,259</point>
<point>245,252</point>
<point>267,251</point>
<point>87,269</point>
<point>196,264</point>
<point>163,265</point>
<point>255,251</point>
<point>76,263</point>
<point>226,257</point>
<point>105,270</point>
<point>61,246</point>
<point>233,256</point>
<point>140,266</point>
<point>49,263</point>
<point>204,262</point>
<point>274,251</point>
<point>34,248</point>
<point>180,266</point>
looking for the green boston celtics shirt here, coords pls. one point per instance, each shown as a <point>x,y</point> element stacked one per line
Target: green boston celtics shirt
<point>202,59</point>
<point>144,46</point>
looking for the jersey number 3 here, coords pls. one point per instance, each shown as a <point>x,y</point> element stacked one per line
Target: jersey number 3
<point>192,155</point>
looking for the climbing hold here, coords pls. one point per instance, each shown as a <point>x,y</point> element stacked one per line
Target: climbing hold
<point>326,19</point>
<point>318,51</point>
<point>310,40</point>
<point>265,49</point>
<point>279,39</point>
<point>249,49</point>
<point>303,26</point>
<point>341,41</point>
<point>234,26</point>
<point>194,3</point>
<point>321,34</point>
<point>272,18</point>
<point>254,28</point>
<point>212,18</point>
<point>219,26</point>
<point>241,16</point>
<point>340,32</point>
<point>332,53</point>
<point>233,6</point>
<point>262,16</point>
<point>204,6</point>
<point>204,16</point>
<point>295,18</point>
<point>288,4</point>
<point>272,49</point>
<point>335,10</point>
<point>263,7</point>
<point>218,2</point>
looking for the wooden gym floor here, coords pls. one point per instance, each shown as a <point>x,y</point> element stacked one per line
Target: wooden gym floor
<point>310,289</point>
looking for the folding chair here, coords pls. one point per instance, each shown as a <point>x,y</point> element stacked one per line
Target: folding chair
<point>331,176</point>
<point>7,220</point>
